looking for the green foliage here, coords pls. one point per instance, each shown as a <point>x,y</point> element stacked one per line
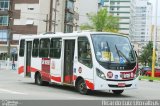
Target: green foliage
<point>146,55</point>
<point>102,21</point>
<point>86,27</point>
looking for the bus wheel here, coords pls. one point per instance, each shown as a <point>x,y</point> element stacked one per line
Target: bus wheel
<point>81,87</point>
<point>117,92</point>
<point>38,79</point>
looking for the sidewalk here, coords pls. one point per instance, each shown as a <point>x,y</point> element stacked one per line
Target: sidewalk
<point>3,65</point>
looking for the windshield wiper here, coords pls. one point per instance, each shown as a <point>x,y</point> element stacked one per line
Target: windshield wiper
<point>121,54</point>
<point>109,52</point>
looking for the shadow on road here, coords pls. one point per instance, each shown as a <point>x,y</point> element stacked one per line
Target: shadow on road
<point>91,93</point>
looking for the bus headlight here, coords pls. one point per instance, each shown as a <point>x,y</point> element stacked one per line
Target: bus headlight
<point>100,74</point>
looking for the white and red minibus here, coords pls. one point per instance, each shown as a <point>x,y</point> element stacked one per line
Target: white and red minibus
<point>85,60</point>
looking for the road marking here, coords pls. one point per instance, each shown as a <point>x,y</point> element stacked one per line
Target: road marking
<point>12,92</point>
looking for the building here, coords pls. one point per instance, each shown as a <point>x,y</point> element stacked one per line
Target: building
<point>29,17</point>
<point>4,27</point>
<point>140,23</point>
<point>141,20</point>
<point>121,9</point>
<point>85,7</point>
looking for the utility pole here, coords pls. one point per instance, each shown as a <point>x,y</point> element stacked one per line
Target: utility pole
<point>46,22</point>
<point>55,13</point>
<point>154,42</point>
<point>9,35</point>
<point>50,15</point>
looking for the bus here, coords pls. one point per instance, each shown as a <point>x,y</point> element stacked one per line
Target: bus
<point>84,60</point>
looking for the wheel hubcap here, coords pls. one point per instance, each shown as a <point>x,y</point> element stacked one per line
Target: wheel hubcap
<point>82,87</point>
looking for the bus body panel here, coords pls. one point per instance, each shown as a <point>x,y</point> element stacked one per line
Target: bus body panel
<point>56,70</point>
<point>35,66</point>
<point>21,63</point>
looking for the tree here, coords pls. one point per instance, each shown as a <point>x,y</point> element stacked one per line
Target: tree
<point>102,21</point>
<point>146,55</point>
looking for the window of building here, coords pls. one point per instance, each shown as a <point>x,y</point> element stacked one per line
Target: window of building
<point>84,52</point>
<point>35,48</point>
<point>70,4</point>
<point>69,17</point>
<point>22,48</point>
<point>4,20</point>
<point>3,35</point>
<point>68,28</point>
<point>112,9</point>
<point>55,48</point>
<point>44,47</point>
<point>30,8</point>
<point>4,4</point>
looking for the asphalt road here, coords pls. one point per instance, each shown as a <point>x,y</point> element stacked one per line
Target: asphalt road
<point>14,87</point>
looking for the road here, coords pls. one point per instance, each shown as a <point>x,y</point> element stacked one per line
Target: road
<point>14,87</point>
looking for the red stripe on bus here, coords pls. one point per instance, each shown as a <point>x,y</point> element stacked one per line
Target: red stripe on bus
<point>21,70</point>
<point>58,79</point>
<point>33,69</point>
<point>89,84</point>
<point>74,77</point>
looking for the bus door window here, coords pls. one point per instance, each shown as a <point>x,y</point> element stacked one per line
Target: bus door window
<point>22,45</point>
<point>44,47</point>
<point>84,52</point>
<point>55,48</point>
<point>35,48</point>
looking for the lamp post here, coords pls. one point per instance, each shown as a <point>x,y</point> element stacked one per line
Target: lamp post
<point>55,13</point>
<point>154,41</point>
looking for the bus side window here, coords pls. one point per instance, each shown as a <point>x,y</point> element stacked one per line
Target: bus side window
<point>35,48</point>
<point>21,50</point>
<point>84,52</point>
<point>55,48</point>
<point>44,47</point>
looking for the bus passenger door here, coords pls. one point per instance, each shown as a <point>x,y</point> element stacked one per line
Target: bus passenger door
<point>69,47</point>
<point>28,58</point>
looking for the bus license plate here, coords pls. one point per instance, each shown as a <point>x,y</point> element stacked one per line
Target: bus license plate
<point>121,84</point>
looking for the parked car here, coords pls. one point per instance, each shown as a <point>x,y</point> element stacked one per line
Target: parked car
<point>144,70</point>
<point>156,73</point>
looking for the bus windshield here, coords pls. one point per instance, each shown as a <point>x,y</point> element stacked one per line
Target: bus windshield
<point>113,49</point>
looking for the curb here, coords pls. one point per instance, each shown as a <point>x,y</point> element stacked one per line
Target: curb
<point>149,80</point>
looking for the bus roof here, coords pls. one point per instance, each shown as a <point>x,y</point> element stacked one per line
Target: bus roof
<point>66,34</point>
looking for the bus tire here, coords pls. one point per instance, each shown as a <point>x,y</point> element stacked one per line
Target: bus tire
<point>38,79</point>
<point>117,92</point>
<point>81,87</point>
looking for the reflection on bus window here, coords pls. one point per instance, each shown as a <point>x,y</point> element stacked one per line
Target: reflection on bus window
<point>113,49</point>
<point>44,47</point>
<point>84,52</point>
<point>55,48</point>
<point>22,45</point>
<point>35,48</point>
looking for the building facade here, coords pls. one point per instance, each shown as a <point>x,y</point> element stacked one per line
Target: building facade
<point>4,27</point>
<point>141,20</point>
<point>140,23</point>
<point>30,17</point>
<point>121,9</point>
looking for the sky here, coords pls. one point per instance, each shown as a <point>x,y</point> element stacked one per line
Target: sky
<point>154,11</point>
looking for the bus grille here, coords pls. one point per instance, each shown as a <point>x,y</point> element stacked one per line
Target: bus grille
<point>116,86</point>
